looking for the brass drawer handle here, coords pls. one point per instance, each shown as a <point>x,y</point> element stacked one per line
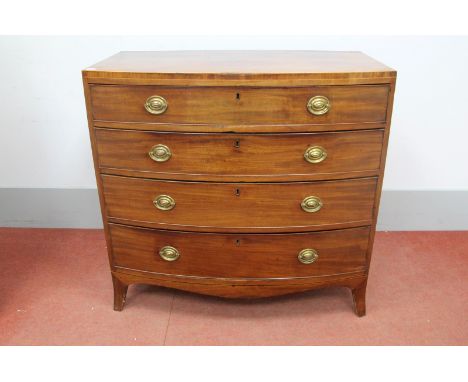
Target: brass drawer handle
<point>164,202</point>
<point>318,105</point>
<point>307,256</point>
<point>160,153</point>
<point>311,204</point>
<point>169,253</point>
<point>315,154</point>
<point>156,105</point>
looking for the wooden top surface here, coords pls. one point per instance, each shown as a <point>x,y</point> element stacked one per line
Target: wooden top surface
<point>225,65</point>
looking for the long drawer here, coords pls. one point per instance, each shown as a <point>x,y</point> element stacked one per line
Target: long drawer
<point>249,156</point>
<point>240,255</point>
<point>267,207</point>
<point>244,106</point>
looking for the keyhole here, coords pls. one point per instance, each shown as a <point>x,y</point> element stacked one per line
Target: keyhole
<point>237,192</point>
<point>238,96</point>
<point>237,242</point>
<point>237,143</point>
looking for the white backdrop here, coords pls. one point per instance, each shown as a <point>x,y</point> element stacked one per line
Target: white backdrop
<point>44,140</point>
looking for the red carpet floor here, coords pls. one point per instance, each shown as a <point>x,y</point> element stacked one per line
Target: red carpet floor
<point>55,289</point>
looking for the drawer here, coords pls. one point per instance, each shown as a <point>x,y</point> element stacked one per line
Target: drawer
<point>243,106</point>
<point>245,207</point>
<point>241,256</point>
<point>249,156</point>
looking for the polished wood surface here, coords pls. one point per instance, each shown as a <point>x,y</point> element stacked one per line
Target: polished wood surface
<point>225,105</point>
<point>265,66</point>
<point>240,207</point>
<point>259,157</point>
<point>236,287</point>
<point>359,298</point>
<point>237,127</point>
<point>120,293</point>
<point>242,256</point>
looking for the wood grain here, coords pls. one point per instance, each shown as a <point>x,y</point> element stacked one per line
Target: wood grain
<point>236,128</point>
<point>120,293</point>
<point>242,256</point>
<point>237,125</point>
<point>240,67</point>
<point>240,288</point>
<point>245,157</point>
<point>225,105</point>
<point>241,207</point>
<point>378,191</point>
<point>359,299</point>
<point>95,154</point>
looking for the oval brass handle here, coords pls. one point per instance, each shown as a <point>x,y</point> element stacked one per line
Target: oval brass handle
<point>156,105</point>
<point>311,204</point>
<point>169,253</point>
<point>315,154</point>
<point>318,105</point>
<point>307,256</point>
<point>160,153</point>
<point>164,202</point>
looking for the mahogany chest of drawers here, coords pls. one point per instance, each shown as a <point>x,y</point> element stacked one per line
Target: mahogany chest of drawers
<point>239,173</point>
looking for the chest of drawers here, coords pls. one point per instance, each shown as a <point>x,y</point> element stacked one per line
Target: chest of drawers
<point>239,173</point>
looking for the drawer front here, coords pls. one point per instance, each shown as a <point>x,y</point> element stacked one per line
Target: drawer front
<point>226,105</point>
<point>173,155</point>
<point>240,206</point>
<point>241,256</point>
